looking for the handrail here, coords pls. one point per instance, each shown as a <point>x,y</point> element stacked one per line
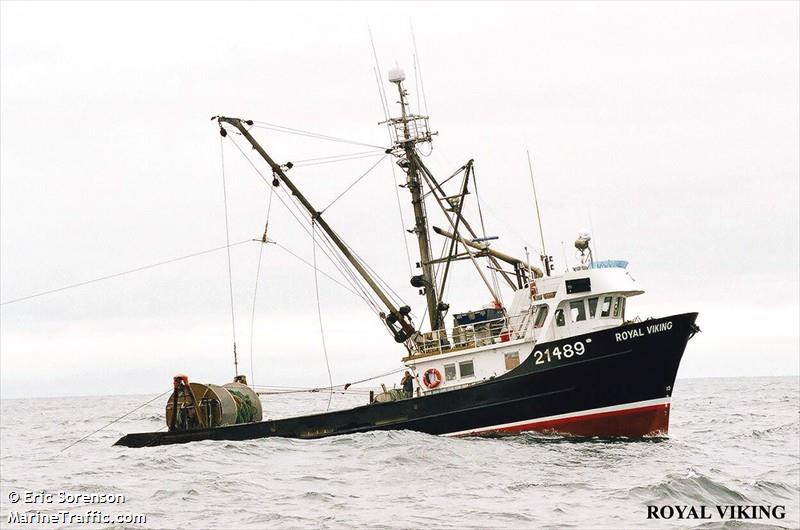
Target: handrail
<point>473,335</point>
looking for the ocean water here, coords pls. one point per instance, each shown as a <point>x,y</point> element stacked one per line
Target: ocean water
<point>731,442</point>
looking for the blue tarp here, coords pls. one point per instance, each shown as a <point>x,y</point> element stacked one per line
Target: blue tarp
<point>610,264</point>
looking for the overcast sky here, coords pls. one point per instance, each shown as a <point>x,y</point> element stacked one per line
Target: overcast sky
<point>668,130</point>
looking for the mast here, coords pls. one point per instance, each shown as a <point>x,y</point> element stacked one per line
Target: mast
<point>409,130</point>
<point>395,316</point>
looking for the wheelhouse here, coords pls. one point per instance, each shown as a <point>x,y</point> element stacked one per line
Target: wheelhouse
<point>489,342</point>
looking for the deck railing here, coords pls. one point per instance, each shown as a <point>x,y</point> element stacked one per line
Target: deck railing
<point>472,335</point>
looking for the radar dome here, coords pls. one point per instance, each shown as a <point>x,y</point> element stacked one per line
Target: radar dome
<point>396,75</point>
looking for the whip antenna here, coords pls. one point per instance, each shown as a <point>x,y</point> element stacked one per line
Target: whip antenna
<point>544,257</point>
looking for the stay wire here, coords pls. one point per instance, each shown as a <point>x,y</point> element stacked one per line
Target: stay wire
<point>253,313</point>
<point>116,420</point>
<point>400,211</point>
<point>302,225</point>
<point>343,267</point>
<point>255,288</point>
<point>319,136</point>
<point>378,278</point>
<point>334,280</point>
<point>373,152</point>
<point>373,166</point>
<point>334,255</point>
<point>123,273</point>
<point>228,248</point>
<point>342,155</point>
<point>495,282</point>
<point>314,265</point>
<point>445,181</point>
<point>311,164</point>
<point>344,386</point>
<point>319,312</point>
<point>331,254</point>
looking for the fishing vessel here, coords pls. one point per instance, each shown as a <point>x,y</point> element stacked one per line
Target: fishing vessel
<point>563,356</point>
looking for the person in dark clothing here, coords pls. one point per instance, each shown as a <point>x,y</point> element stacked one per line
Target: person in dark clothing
<point>408,384</point>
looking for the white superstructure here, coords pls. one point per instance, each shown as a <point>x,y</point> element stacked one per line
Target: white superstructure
<point>583,300</point>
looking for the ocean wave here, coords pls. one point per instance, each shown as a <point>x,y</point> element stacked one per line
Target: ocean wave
<point>691,488</point>
<point>403,479</point>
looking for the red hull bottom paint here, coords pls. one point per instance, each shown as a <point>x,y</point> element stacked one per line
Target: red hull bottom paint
<point>632,423</point>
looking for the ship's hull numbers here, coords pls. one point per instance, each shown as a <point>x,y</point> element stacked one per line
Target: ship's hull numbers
<point>566,351</point>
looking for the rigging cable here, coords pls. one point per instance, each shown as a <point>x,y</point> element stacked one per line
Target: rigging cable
<point>341,265</point>
<point>334,255</point>
<point>483,230</point>
<point>354,183</point>
<point>116,420</point>
<point>337,263</point>
<point>319,311</point>
<point>264,240</point>
<point>123,273</point>
<point>309,164</point>
<point>345,386</point>
<point>228,248</point>
<point>402,219</point>
<point>337,158</point>
<point>378,278</point>
<point>291,130</point>
<point>334,280</point>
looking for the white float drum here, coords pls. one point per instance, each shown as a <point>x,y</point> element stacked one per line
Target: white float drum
<point>248,403</point>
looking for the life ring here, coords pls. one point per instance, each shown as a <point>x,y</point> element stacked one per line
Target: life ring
<point>432,378</point>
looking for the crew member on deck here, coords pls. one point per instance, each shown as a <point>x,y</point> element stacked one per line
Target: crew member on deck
<point>408,385</point>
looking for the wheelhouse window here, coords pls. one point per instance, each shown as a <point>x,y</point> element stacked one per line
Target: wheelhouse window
<point>622,312</point>
<point>466,369</point>
<point>449,372</point>
<point>593,306</point>
<point>560,318</point>
<point>605,310</point>
<point>577,310</point>
<point>541,315</point>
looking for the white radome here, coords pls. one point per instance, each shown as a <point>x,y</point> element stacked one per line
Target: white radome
<point>396,75</point>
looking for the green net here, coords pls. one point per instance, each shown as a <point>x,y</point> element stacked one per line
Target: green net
<point>245,411</point>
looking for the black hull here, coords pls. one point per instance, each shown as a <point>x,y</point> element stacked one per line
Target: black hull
<point>620,386</point>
